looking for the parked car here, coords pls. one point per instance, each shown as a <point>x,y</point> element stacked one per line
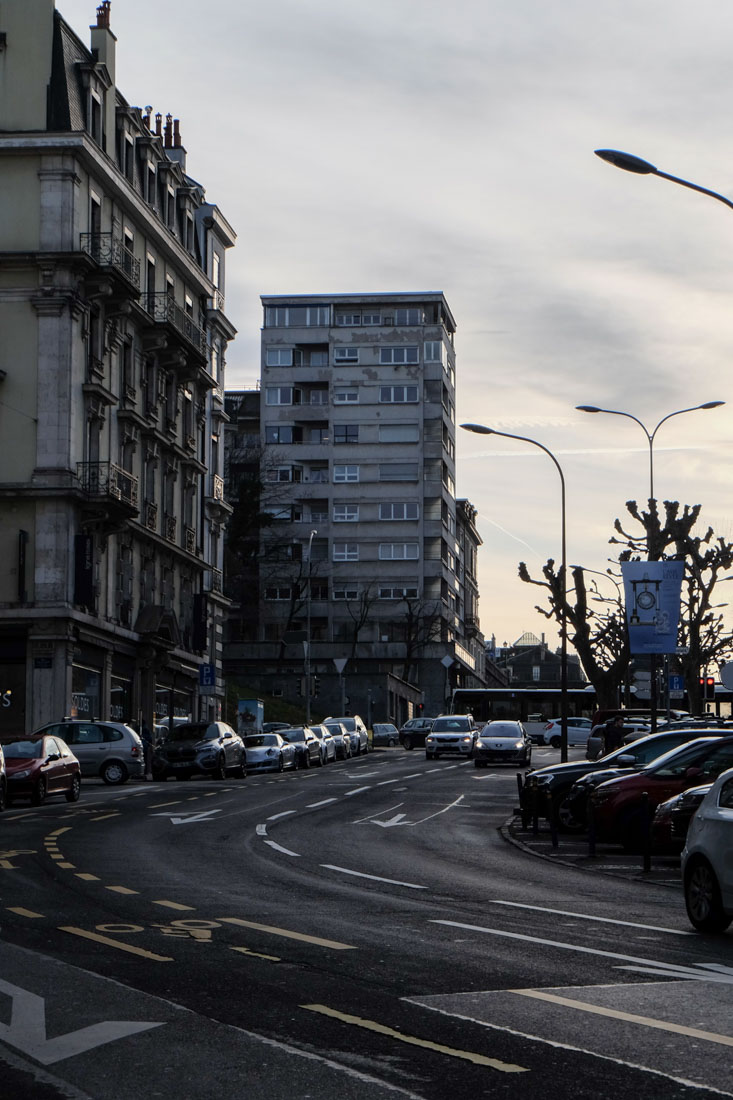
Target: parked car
<point>502,742</point>
<point>40,766</point>
<point>357,732</point>
<point>328,745</point>
<point>112,750</point>
<point>563,789</point>
<point>672,819</point>
<point>451,734</point>
<point>618,805</point>
<point>207,748</point>
<point>578,730</point>
<point>268,752</point>
<point>385,733</point>
<point>633,729</point>
<point>274,727</point>
<point>341,739</point>
<point>307,745</point>
<point>414,732</point>
<point>707,867</point>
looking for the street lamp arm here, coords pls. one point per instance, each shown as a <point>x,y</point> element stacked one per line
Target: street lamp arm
<point>617,412</point>
<point>693,408</point>
<point>629,163</point>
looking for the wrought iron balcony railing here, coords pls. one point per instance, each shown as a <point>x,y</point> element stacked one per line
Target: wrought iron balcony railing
<point>106,479</point>
<point>109,251</point>
<point>162,307</point>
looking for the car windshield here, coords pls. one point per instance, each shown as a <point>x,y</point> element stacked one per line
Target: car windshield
<point>23,750</point>
<point>190,731</point>
<point>258,740</point>
<point>348,723</point>
<point>442,725</point>
<point>501,729</point>
<point>293,735</point>
<point>335,731</point>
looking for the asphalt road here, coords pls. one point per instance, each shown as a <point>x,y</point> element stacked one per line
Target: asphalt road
<point>357,931</point>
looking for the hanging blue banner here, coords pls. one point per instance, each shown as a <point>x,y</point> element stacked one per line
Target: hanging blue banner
<point>652,590</point>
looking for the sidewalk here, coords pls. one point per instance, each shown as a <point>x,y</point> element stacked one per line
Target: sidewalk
<point>609,859</point>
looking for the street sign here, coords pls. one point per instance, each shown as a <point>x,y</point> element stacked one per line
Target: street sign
<point>676,684</point>
<point>207,679</point>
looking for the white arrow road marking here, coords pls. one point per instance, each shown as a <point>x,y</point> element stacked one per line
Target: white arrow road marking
<point>27,1029</point>
<point>396,820</point>
<point>185,817</point>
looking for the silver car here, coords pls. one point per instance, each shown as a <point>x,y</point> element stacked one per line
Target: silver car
<point>707,867</point>
<point>451,734</point>
<point>328,744</point>
<point>111,750</point>
<point>211,748</point>
<point>502,742</point>
<point>267,752</point>
<point>357,732</point>
<point>341,739</point>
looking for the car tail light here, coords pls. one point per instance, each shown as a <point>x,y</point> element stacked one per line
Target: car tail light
<point>548,726</point>
<point>135,751</point>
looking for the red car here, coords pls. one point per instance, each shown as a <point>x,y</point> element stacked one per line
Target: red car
<point>619,811</point>
<point>41,766</point>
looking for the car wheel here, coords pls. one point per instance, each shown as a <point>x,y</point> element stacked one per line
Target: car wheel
<point>478,764</point>
<point>39,792</point>
<point>702,898</point>
<point>321,760</point>
<point>220,772</point>
<point>114,773</point>
<point>556,742</point>
<point>307,760</point>
<point>280,763</point>
<point>241,770</point>
<point>566,820</point>
<point>72,795</point>
<point>392,742</point>
<point>407,742</point>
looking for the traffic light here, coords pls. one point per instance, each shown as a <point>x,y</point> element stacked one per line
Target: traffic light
<point>707,688</point>
<point>316,686</point>
<point>419,707</point>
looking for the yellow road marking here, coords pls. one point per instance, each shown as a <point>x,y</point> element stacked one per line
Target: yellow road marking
<point>412,1040</point>
<point>334,944</point>
<point>158,805</point>
<point>105,817</point>
<point>56,855</point>
<point>87,877</point>
<point>115,943</point>
<point>630,1017</point>
<point>24,912</point>
<point>121,890</point>
<point>67,866</point>
<point>58,832</point>
<point>175,905</point>
<point>256,954</point>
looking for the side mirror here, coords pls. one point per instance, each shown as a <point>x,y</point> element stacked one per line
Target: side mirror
<point>53,756</point>
<point>626,759</point>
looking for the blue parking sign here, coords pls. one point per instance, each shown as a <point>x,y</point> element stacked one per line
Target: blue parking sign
<point>207,676</point>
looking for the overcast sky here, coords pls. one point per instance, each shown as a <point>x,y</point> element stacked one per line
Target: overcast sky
<point>411,145</point>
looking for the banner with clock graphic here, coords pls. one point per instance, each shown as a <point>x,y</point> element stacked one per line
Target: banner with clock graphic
<point>652,592</point>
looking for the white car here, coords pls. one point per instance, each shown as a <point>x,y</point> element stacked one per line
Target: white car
<point>357,732</point>
<point>328,743</point>
<point>453,734</point>
<point>268,752</point>
<point>578,730</point>
<point>707,859</point>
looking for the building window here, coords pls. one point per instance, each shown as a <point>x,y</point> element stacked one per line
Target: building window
<point>398,510</point>
<point>399,433</point>
<point>345,473</point>
<point>398,551</point>
<point>371,318</point>
<point>398,471</point>
<point>397,395</point>
<point>285,473</point>
<point>345,551</point>
<point>346,593</point>
<point>345,513</point>
<point>412,316</point>
<point>278,593</point>
<point>346,397</point>
<point>346,433</point>
<point>282,395</point>
<point>344,319</point>
<point>319,397</point>
<point>283,433</point>
<point>319,475</point>
<point>398,356</point>
<point>398,593</point>
<point>279,357</point>
<point>433,352</point>
<point>318,316</point>
<point>346,355</point>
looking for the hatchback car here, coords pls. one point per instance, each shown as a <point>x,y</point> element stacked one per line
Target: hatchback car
<point>707,867</point>
<point>620,805</point>
<point>268,752</point>
<point>111,750</point>
<point>672,819</point>
<point>502,742</point>
<point>307,745</point>
<point>341,739</point>
<point>578,730</point>
<point>41,766</point>
<point>451,734</point>
<point>414,732</point>
<point>385,733</point>
<point>357,732</point>
<point>328,744</point>
<point>208,748</point>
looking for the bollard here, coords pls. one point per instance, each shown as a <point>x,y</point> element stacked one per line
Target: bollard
<point>552,818</point>
<point>535,817</point>
<point>647,832</point>
<point>523,807</point>
<point>590,817</point>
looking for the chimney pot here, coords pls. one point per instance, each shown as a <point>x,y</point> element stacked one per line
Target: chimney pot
<point>158,123</point>
<point>103,14</point>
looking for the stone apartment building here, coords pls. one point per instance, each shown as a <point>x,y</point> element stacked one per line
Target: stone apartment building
<point>112,275</point>
<point>363,587</point>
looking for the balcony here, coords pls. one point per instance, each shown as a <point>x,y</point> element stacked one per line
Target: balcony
<point>110,254</point>
<point>106,484</point>
<point>189,539</point>
<point>150,515</point>
<point>178,325</point>
<point>169,527</point>
<point>217,508</point>
<point>213,581</point>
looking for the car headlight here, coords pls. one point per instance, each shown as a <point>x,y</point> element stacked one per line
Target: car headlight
<point>518,744</point>
<point>543,780</point>
<point>466,739</point>
<point>21,775</point>
<point>271,752</point>
<point>601,795</point>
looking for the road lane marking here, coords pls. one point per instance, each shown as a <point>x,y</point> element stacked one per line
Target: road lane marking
<point>159,805</point>
<point>285,813</point>
<point>585,916</point>
<point>21,912</point>
<point>415,775</point>
<point>256,954</point>
<point>86,877</point>
<point>310,806</point>
<point>106,817</point>
<point>273,931</point>
<point>279,848</point>
<point>628,1017</point>
<point>357,790</point>
<point>175,905</point>
<point>374,878</point>
<point>261,830</point>
<point>118,944</point>
<point>386,782</point>
<point>121,890</point>
<point>412,1040</point>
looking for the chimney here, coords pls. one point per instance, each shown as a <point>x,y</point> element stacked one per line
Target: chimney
<point>159,124</point>
<point>103,49</point>
<point>176,151</point>
<point>168,131</point>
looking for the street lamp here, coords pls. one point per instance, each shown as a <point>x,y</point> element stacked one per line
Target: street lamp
<point>630,163</point>
<point>481,429</point>
<point>649,435</point>
<point>308,634</point>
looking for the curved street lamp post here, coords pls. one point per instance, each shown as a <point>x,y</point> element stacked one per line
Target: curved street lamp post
<point>629,163</point>
<point>482,429</point>
<point>307,643</point>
